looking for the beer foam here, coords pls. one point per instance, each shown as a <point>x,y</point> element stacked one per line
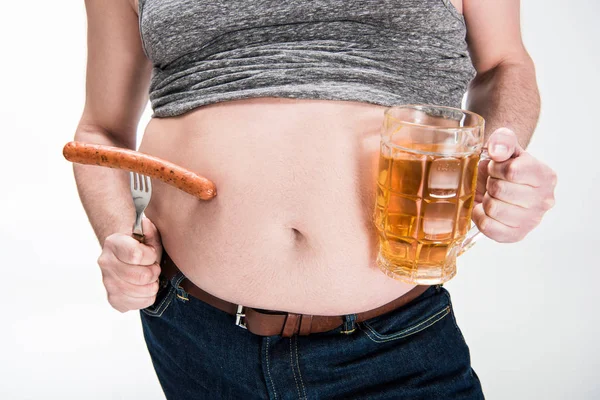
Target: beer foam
<point>437,226</point>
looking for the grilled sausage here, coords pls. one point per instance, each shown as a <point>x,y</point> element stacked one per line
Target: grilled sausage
<point>130,160</point>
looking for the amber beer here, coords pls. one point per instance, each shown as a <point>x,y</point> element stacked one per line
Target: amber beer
<point>425,191</point>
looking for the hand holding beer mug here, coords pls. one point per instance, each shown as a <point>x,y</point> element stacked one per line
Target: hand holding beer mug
<point>425,190</point>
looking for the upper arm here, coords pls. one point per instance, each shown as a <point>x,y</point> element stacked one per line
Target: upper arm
<point>493,33</point>
<point>118,72</point>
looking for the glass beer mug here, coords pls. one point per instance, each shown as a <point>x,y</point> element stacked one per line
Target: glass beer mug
<point>425,190</point>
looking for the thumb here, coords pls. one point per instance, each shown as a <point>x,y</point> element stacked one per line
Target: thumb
<point>503,145</point>
<point>152,237</point>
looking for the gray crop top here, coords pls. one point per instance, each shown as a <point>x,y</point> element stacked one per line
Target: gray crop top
<point>376,51</point>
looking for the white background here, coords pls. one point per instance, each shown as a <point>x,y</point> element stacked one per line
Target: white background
<point>529,311</point>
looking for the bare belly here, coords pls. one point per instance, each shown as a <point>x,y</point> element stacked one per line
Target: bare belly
<point>290,228</point>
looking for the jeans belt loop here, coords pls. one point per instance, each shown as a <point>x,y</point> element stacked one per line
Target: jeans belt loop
<point>349,324</point>
<point>240,317</point>
<point>176,282</point>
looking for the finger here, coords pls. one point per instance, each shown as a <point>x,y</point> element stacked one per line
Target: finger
<point>520,195</point>
<point>509,214</point>
<point>115,286</point>
<point>524,170</point>
<point>493,229</point>
<point>139,292</point>
<point>151,236</point>
<point>503,144</point>
<point>136,274</point>
<point>123,304</point>
<point>130,251</point>
<point>133,274</point>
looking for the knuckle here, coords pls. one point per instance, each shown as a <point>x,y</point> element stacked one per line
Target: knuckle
<point>553,178</point>
<point>510,237</point>
<point>535,220</point>
<point>491,207</point>
<point>502,239</point>
<point>153,288</point>
<point>134,255</point>
<point>110,240</point>
<point>151,299</point>
<point>484,226</point>
<point>144,275</point>
<point>111,288</point>
<point>115,302</point>
<point>106,280</point>
<point>519,235</point>
<point>103,259</point>
<point>147,303</point>
<point>127,274</point>
<point>512,171</point>
<point>548,203</point>
<point>495,188</point>
<point>155,268</point>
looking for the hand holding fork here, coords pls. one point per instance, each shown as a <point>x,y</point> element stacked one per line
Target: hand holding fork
<point>131,270</point>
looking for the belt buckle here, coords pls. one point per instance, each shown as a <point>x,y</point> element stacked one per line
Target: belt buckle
<point>240,317</point>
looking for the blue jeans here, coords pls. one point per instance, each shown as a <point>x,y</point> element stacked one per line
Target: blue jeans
<point>414,352</point>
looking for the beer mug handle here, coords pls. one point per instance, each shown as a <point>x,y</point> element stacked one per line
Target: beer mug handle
<point>474,234</point>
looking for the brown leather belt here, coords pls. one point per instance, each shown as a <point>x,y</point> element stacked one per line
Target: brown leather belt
<point>269,323</point>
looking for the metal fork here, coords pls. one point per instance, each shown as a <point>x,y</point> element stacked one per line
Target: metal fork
<point>141,192</point>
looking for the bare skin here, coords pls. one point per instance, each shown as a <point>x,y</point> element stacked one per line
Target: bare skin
<point>291,227</point>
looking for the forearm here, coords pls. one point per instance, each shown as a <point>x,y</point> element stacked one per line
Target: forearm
<point>104,192</point>
<point>507,96</point>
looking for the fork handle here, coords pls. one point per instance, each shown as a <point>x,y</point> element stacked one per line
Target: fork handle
<point>138,237</point>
